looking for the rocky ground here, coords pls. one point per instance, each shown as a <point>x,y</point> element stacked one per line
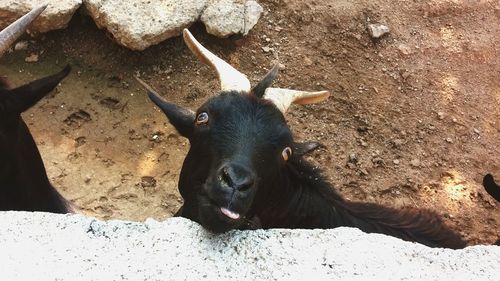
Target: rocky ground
<point>138,25</point>
<point>413,120</point>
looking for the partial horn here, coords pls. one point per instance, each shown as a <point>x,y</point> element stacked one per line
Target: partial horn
<point>260,89</point>
<point>146,86</point>
<point>230,78</point>
<point>283,98</point>
<point>17,28</point>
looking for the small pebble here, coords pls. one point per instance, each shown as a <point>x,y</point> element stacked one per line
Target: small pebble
<point>31,58</point>
<point>377,30</point>
<point>266,49</point>
<point>395,161</point>
<point>405,75</point>
<point>353,158</point>
<point>404,49</point>
<point>415,163</point>
<point>21,46</point>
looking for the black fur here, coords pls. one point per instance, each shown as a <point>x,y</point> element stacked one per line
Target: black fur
<point>260,89</point>
<point>24,185</point>
<point>491,187</point>
<point>250,133</point>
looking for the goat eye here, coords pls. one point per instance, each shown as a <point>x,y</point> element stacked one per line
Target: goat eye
<point>202,118</point>
<point>287,153</point>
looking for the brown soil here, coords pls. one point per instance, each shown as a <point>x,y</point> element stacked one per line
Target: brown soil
<point>413,121</point>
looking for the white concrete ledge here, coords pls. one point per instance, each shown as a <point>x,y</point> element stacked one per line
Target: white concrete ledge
<point>38,246</point>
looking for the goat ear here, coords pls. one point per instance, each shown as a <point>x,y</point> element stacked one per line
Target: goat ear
<point>182,119</point>
<point>303,148</point>
<point>266,82</point>
<point>28,95</point>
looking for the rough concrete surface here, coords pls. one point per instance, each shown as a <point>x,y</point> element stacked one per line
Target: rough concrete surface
<point>140,24</point>
<point>223,18</point>
<point>56,16</point>
<point>41,246</point>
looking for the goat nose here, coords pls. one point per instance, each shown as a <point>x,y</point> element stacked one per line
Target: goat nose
<point>236,177</point>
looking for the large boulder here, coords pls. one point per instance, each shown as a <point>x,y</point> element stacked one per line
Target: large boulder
<point>223,18</point>
<point>41,246</point>
<point>142,23</point>
<point>56,16</point>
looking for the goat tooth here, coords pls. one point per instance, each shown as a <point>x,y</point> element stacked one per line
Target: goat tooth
<point>229,213</point>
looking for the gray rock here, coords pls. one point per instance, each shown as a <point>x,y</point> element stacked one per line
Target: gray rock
<point>223,18</point>
<point>56,16</point>
<point>140,24</point>
<point>377,30</point>
<point>42,246</point>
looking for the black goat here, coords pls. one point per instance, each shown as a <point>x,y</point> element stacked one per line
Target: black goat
<point>24,184</point>
<point>241,167</point>
<point>491,187</point>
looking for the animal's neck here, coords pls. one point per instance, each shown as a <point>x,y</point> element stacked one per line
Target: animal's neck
<point>305,200</point>
<point>300,199</point>
<point>26,186</point>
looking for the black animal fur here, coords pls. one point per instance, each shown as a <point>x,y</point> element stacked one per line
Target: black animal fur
<point>24,185</point>
<point>246,130</point>
<point>491,187</point>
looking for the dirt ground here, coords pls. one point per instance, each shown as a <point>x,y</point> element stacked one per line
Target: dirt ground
<point>413,120</point>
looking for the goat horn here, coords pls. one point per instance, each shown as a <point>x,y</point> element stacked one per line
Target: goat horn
<point>283,98</point>
<point>146,85</point>
<point>230,78</point>
<point>153,94</point>
<point>17,28</point>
